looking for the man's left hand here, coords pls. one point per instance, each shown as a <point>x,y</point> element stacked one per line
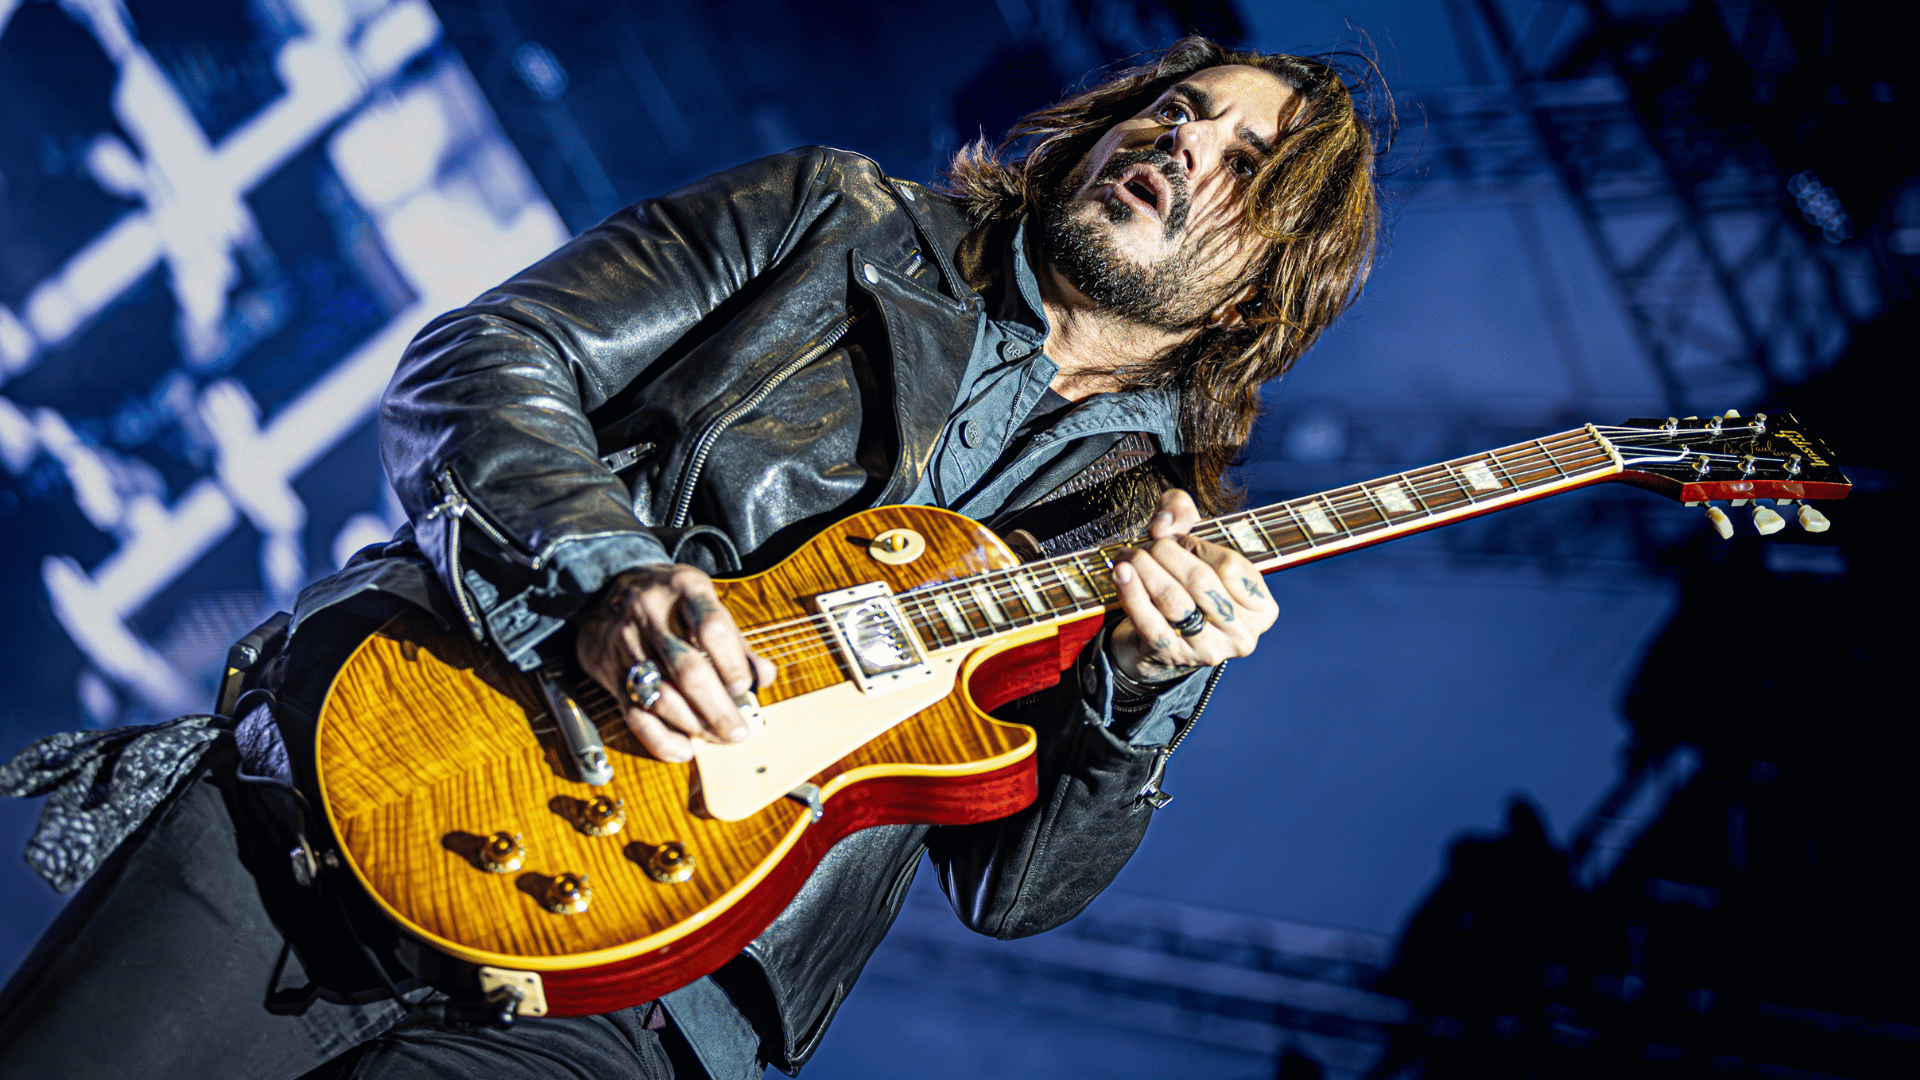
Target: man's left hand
<point>1165,581</point>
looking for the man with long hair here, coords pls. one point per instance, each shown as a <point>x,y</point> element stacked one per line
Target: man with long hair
<point>1066,339</point>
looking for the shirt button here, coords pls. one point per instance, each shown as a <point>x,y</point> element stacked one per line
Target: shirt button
<point>970,433</point>
<point>872,275</point>
<point>1012,350</point>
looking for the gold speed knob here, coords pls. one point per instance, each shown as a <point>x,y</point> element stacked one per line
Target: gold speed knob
<point>670,863</point>
<point>603,816</point>
<point>568,894</point>
<point>502,853</point>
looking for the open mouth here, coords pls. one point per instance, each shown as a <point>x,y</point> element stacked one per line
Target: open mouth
<point>1144,187</point>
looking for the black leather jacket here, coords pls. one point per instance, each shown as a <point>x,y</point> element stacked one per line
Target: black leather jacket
<point>762,352</point>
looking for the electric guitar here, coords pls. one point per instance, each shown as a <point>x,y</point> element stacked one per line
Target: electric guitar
<point>510,823</point>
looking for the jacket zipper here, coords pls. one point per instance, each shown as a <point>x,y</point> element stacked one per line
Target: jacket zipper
<point>697,460</point>
<point>1150,793</point>
<point>455,504</point>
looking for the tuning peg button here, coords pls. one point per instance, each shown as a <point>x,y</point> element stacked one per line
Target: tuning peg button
<point>1813,520</point>
<point>1721,523</point>
<point>1768,522</point>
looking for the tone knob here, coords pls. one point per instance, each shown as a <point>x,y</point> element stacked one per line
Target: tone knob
<point>568,894</point>
<point>603,816</point>
<point>670,863</point>
<point>502,853</point>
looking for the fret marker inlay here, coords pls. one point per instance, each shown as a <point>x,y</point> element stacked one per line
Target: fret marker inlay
<point>1243,533</point>
<point>1316,519</point>
<point>1480,478</point>
<point>1025,584</point>
<point>1394,499</point>
<point>1069,577</point>
<point>951,612</point>
<point>994,614</point>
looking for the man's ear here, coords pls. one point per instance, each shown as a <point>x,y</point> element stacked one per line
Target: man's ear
<point>1232,312</point>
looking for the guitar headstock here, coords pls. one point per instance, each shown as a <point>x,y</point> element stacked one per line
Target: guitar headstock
<point>1735,458</point>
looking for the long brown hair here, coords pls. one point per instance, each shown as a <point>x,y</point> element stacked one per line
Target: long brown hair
<point>1315,201</point>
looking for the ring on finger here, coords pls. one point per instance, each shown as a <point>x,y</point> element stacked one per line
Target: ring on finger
<point>1194,622</point>
<point>644,684</point>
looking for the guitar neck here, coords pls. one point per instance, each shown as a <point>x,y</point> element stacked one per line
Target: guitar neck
<point>1272,537</point>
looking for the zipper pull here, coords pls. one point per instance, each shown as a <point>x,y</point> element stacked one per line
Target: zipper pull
<point>1150,793</point>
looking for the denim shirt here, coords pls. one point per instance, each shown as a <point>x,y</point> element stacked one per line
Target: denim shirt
<point>1007,375</point>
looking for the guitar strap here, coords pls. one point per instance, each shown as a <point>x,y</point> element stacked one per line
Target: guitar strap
<point>1106,501</point>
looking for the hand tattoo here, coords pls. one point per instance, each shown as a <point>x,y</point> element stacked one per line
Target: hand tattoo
<point>1252,586</point>
<point>1221,605</point>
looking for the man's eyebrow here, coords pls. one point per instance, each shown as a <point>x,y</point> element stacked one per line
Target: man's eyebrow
<point>1203,101</point>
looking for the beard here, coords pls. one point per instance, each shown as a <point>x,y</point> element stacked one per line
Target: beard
<point>1162,295</point>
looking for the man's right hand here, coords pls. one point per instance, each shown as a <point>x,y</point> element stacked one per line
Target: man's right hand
<point>670,614</point>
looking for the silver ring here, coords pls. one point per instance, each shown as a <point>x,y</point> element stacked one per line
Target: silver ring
<point>644,684</point>
<point>1191,626</point>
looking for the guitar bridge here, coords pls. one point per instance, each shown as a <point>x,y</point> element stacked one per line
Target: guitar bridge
<point>877,643</point>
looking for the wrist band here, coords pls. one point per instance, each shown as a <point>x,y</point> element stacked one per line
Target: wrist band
<point>1128,686</point>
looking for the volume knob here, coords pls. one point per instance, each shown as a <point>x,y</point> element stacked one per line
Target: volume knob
<point>603,816</point>
<point>502,853</point>
<point>568,894</point>
<point>670,863</point>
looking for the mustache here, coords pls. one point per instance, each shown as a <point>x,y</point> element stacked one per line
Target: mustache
<point>1180,194</point>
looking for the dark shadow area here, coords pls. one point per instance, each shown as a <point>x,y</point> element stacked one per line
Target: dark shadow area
<point>1756,923</point>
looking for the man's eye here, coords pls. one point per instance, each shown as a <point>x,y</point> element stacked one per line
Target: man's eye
<point>1176,113</point>
<point>1244,167</point>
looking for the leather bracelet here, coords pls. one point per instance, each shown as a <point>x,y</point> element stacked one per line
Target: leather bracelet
<point>1125,685</point>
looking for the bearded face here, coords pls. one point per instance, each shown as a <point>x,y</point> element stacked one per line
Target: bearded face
<point>1076,236</point>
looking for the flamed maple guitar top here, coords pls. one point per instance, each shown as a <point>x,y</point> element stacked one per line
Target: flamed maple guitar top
<point>428,744</point>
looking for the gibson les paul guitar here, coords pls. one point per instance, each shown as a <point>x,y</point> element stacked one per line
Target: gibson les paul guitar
<point>510,822</point>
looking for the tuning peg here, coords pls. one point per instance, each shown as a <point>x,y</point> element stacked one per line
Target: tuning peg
<point>1732,414</point>
<point>1721,523</point>
<point>1813,520</point>
<point>1768,522</point>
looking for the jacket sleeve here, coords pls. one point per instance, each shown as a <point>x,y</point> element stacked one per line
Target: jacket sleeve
<point>1035,870</point>
<point>485,430</point>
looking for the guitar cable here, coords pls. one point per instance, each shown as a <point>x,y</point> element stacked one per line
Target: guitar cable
<point>498,1011</point>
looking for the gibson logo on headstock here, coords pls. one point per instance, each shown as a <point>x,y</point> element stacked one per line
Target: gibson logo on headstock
<point>1800,441</point>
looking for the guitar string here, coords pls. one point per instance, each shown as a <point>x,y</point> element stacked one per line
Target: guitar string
<point>1430,479</point>
<point>808,638</point>
<point>1003,589</point>
<point>1427,480</point>
<point>812,630</point>
<point>1424,482</point>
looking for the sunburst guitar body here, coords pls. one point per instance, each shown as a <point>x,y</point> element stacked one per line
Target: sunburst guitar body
<point>430,749</point>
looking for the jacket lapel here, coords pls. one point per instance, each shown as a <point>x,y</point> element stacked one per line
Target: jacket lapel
<point>930,337</point>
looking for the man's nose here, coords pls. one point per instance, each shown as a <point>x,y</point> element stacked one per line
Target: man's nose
<point>1187,143</point>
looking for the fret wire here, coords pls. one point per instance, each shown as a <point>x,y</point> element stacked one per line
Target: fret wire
<point>1494,456</point>
<point>1466,490</point>
<point>1021,586</point>
<point>1253,517</point>
<point>1414,490</point>
<point>1378,507</point>
<point>1541,443</point>
<point>1301,524</point>
<point>1264,523</point>
<point>1338,520</point>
